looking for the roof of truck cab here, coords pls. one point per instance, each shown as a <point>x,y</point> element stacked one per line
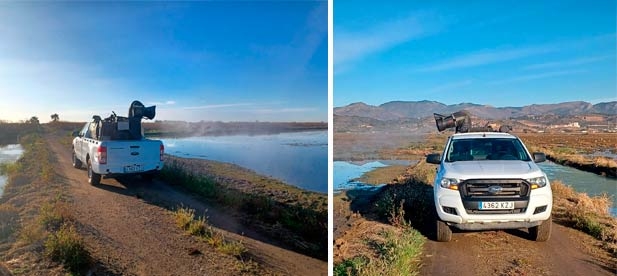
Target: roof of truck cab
<point>480,135</point>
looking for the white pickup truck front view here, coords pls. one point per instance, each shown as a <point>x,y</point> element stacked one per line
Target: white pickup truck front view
<point>489,180</point>
<point>115,146</point>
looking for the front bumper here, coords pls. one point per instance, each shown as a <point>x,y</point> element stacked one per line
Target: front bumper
<point>531,212</point>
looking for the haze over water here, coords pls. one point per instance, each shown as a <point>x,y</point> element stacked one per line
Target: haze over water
<point>299,159</point>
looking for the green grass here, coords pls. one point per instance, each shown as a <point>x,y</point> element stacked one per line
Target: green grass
<point>397,254</point>
<point>199,227</point>
<point>351,267</point>
<point>45,226</point>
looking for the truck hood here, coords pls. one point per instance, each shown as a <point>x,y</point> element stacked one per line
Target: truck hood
<point>492,169</point>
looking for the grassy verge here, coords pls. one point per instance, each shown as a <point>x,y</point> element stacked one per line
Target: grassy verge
<point>39,232</point>
<point>296,220</point>
<point>407,207</point>
<point>10,133</point>
<point>587,214</point>
<point>397,254</point>
<point>199,227</point>
<point>395,250</point>
<point>382,175</point>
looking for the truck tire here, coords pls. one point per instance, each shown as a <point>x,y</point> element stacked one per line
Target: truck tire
<point>443,233</point>
<point>76,162</point>
<point>542,232</point>
<point>93,178</point>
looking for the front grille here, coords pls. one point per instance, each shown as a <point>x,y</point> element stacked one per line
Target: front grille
<point>494,188</point>
<point>474,191</point>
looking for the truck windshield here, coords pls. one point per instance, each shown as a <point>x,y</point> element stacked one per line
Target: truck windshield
<point>486,149</point>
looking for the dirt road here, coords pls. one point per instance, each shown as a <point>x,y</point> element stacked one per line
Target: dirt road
<point>568,252</point>
<point>129,231</point>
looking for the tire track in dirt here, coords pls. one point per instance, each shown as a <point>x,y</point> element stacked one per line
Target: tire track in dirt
<point>128,234</point>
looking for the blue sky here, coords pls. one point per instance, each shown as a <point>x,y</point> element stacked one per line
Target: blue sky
<point>499,53</point>
<point>229,61</point>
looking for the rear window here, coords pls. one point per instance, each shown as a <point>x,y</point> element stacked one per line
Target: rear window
<point>486,149</point>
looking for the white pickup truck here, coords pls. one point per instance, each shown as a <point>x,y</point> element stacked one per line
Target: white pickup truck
<point>115,146</point>
<point>488,180</point>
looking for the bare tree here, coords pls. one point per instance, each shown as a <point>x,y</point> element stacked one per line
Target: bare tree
<point>55,117</point>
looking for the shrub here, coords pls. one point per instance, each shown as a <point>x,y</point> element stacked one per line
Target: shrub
<point>66,247</point>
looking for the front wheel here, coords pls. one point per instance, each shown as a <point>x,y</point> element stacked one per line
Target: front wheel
<point>93,178</point>
<point>542,232</point>
<point>76,162</point>
<point>444,233</point>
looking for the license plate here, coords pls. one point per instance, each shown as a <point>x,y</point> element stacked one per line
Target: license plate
<point>496,205</point>
<point>133,168</point>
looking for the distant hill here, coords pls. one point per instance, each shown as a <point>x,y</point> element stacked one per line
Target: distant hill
<point>397,110</point>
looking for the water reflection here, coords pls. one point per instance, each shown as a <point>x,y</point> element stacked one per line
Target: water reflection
<point>299,159</point>
<point>8,154</point>
<point>582,181</point>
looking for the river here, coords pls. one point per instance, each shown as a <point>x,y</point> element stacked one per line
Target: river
<point>582,181</point>
<point>298,158</point>
<point>8,154</point>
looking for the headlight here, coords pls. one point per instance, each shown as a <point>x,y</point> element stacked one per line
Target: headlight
<point>449,183</point>
<point>537,182</point>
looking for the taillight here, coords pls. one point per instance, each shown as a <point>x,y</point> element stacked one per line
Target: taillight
<point>101,154</point>
<point>162,151</point>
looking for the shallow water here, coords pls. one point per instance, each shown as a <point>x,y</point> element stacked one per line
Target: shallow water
<point>8,154</point>
<point>582,181</point>
<point>299,158</point>
<point>344,172</point>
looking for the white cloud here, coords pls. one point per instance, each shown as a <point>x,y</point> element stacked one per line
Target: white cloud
<point>570,62</point>
<point>537,76</point>
<point>492,56</point>
<point>486,57</point>
<point>350,46</point>
<point>162,103</point>
<point>284,110</point>
<point>215,106</point>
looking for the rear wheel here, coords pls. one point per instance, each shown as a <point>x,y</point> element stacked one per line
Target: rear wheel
<point>541,232</point>
<point>444,233</point>
<point>93,178</point>
<point>76,162</point>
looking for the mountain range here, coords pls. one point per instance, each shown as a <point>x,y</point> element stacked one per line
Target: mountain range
<point>397,110</point>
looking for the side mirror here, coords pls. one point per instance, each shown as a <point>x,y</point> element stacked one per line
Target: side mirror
<point>539,157</point>
<point>433,158</point>
<point>75,133</point>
